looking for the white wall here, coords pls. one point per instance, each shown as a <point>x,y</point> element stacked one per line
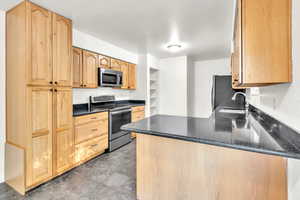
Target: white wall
<point>173,86</point>
<point>2,93</point>
<point>200,84</point>
<point>89,42</point>
<point>152,61</point>
<point>141,79</point>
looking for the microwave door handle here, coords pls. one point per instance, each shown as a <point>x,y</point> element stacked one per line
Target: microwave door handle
<point>120,80</point>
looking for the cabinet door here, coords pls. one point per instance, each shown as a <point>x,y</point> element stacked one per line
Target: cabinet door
<point>90,67</point>
<point>39,151</point>
<point>63,130</point>
<point>124,69</point>
<point>62,51</point>
<point>115,64</point>
<point>39,36</point>
<point>64,150</point>
<point>104,62</point>
<point>132,76</point>
<point>77,67</point>
<point>266,34</point>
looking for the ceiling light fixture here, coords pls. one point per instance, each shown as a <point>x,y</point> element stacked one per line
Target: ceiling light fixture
<point>174,47</point>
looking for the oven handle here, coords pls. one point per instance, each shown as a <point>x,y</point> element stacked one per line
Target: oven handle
<point>121,111</point>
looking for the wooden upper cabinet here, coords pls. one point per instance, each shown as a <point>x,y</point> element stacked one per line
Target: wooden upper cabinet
<point>116,64</point>
<point>62,51</point>
<point>104,62</point>
<point>39,151</point>
<point>124,70</point>
<point>63,130</point>
<point>90,69</point>
<point>77,67</point>
<point>262,43</point>
<point>132,76</point>
<point>39,38</point>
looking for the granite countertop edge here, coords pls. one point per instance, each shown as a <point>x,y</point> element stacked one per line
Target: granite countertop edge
<point>214,143</point>
<point>86,112</point>
<point>288,141</point>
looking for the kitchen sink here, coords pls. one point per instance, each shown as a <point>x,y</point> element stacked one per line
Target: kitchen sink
<point>232,111</point>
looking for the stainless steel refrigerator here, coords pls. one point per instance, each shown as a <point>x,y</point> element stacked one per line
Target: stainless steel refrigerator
<point>222,93</point>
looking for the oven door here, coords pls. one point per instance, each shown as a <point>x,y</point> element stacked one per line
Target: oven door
<point>118,119</point>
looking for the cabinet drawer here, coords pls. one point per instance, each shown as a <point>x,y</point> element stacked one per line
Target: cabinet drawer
<point>138,108</point>
<point>90,130</point>
<point>136,116</point>
<point>91,118</point>
<point>88,149</point>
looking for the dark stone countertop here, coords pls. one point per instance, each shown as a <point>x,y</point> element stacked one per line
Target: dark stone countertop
<point>255,131</point>
<point>82,109</point>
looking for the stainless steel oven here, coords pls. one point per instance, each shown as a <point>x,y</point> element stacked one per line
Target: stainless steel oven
<point>109,78</point>
<point>118,118</point>
<point>119,115</point>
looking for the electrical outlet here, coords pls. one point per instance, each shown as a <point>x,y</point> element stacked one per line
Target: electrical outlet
<point>255,91</point>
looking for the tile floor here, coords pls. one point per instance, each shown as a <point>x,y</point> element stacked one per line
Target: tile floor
<point>110,176</point>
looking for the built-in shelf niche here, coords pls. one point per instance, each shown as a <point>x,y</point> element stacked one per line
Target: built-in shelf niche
<point>154,91</point>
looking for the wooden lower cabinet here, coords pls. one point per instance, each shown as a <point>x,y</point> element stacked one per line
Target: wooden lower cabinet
<point>176,169</point>
<point>63,143</point>
<point>87,150</point>
<point>41,159</point>
<point>39,123</point>
<point>64,150</point>
<point>91,136</point>
<point>138,113</point>
<point>90,130</point>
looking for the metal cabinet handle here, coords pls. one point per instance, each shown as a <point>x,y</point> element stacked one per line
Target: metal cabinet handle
<point>95,129</point>
<point>94,145</point>
<point>94,118</point>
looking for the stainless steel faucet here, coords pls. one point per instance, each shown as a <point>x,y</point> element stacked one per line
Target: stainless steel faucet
<point>246,102</point>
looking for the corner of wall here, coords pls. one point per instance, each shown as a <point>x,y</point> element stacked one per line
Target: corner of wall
<point>2,93</point>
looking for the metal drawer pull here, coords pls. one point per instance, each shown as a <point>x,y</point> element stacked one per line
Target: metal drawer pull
<point>94,118</point>
<point>95,129</point>
<point>93,145</point>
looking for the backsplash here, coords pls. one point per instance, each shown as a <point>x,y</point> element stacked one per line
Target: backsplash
<point>82,95</point>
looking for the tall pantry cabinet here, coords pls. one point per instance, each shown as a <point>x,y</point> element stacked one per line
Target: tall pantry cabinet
<point>39,138</point>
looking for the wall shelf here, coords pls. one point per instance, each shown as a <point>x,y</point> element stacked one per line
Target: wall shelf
<point>154,90</point>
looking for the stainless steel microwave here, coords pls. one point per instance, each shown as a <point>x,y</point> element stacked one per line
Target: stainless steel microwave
<point>109,78</point>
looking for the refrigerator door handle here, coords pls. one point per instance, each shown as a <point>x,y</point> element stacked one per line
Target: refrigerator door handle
<point>212,94</point>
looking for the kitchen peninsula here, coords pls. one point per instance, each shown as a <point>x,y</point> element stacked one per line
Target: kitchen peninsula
<point>228,156</point>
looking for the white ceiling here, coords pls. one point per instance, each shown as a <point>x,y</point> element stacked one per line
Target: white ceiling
<point>204,26</point>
